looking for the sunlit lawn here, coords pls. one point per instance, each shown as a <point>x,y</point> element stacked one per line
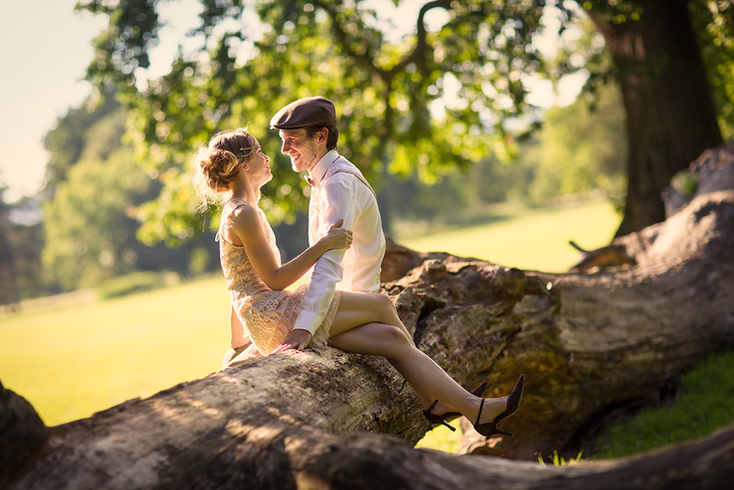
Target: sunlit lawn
<point>527,239</point>
<point>73,361</point>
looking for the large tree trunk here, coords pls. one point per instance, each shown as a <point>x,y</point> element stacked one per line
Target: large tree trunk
<point>281,455</point>
<point>586,342</point>
<point>671,117</point>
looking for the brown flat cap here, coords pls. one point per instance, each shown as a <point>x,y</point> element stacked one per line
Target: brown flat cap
<point>308,111</point>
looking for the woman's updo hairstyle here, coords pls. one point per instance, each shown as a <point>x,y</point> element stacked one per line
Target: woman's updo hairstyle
<point>217,163</point>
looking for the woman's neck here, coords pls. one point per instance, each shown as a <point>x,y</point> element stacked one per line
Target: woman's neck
<point>246,191</point>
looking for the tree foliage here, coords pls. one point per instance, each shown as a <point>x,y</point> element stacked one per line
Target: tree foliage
<point>580,148</point>
<point>671,109</point>
<point>434,99</point>
<point>714,23</point>
<point>21,242</point>
<point>390,94</point>
<point>93,189</point>
<point>8,289</point>
<point>69,138</point>
<point>86,228</point>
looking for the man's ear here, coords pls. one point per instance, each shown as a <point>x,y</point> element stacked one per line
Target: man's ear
<point>323,135</point>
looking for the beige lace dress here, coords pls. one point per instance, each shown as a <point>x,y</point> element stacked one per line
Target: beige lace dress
<point>268,316</point>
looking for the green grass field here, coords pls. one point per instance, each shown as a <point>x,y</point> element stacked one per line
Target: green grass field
<point>527,239</point>
<point>70,362</point>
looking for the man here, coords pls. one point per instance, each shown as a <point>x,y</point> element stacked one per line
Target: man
<point>308,130</point>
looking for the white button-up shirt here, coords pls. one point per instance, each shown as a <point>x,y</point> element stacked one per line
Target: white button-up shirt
<point>338,192</point>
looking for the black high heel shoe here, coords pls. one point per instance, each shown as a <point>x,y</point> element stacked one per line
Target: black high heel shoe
<point>513,402</point>
<point>442,419</point>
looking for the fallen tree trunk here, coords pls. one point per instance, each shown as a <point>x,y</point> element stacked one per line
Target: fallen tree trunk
<point>586,342</point>
<point>287,455</point>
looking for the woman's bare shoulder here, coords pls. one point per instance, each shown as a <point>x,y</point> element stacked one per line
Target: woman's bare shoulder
<point>244,215</point>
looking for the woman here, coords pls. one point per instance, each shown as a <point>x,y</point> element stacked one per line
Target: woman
<point>233,165</point>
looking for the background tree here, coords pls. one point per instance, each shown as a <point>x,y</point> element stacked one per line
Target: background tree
<point>8,288</point>
<point>714,24</point>
<point>384,90</point>
<point>580,148</point>
<point>93,187</point>
<point>21,242</point>
<point>67,141</point>
<point>671,116</point>
<point>429,101</point>
<point>86,228</point>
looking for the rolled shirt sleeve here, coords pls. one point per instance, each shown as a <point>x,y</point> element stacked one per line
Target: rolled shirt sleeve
<point>336,200</point>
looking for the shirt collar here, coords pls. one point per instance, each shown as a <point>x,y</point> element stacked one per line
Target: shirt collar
<point>319,170</point>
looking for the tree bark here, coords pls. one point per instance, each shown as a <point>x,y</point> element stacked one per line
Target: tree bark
<point>671,116</point>
<point>284,455</point>
<point>587,343</point>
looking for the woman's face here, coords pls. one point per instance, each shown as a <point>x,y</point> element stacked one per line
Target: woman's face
<point>259,165</point>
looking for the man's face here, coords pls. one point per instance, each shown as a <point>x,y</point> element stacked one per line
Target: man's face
<point>304,152</point>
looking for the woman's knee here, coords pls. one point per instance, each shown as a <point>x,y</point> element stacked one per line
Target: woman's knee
<point>385,306</point>
<point>396,335</point>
